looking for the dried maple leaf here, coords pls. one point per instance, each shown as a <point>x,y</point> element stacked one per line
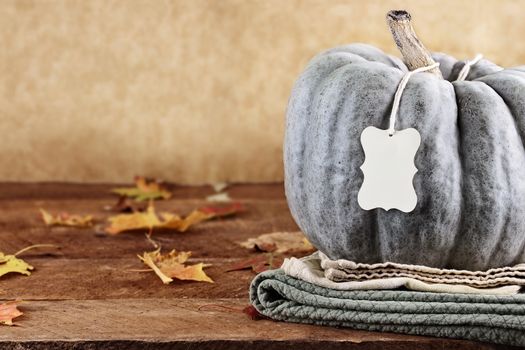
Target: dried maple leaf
<point>65,219</point>
<point>175,222</point>
<point>280,243</point>
<point>150,220</point>
<point>172,265</point>
<point>258,264</point>
<point>133,221</point>
<point>9,311</point>
<point>223,210</point>
<point>145,189</point>
<point>199,215</point>
<point>12,264</point>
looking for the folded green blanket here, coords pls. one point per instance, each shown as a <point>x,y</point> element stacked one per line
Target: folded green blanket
<point>486,318</point>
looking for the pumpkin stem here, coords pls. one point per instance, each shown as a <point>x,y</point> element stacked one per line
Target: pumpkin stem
<point>415,54</point>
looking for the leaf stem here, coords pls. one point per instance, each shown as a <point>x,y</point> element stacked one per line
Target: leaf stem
<point>23,250</point>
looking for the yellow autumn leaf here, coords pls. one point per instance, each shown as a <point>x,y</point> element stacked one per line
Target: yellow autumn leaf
<point>149,258</point>
<point>170,221</point>
<point>172,265</point>
<point>149,219</point>
<point>9,311</point>
<point>12,264</point>
<point>144,190</point>
<point>133,221</point>
<point>65,219</point>
<point>183,224</point>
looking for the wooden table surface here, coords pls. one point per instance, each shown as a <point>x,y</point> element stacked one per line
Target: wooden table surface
<point>86,296</point>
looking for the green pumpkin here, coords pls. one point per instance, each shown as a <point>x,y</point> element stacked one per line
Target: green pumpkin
<point>470,182</point>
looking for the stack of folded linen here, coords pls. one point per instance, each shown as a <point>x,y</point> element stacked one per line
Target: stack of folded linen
<point>390,297</point>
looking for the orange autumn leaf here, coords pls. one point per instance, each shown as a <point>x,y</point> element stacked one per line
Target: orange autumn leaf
<point>149,220</point>
<point>220,211</point>
<point>133,221</point>
<point>65,219</point>
<point>9,311</point>
<point>175,222</point>
<point>172,265</point>
<point>280,243</point>
<point>145,189</point>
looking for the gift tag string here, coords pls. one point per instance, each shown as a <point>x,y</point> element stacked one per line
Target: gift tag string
<point>401,87</point>
<point>466,68</point>
<point>399,93</point>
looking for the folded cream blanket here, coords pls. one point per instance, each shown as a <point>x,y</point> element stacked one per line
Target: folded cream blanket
<point>319,270</point>
<point>344,270</point>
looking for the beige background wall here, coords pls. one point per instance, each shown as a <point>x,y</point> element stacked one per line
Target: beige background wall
<point>191,90</point>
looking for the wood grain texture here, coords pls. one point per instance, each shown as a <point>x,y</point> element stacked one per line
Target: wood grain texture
<point>192,91</point>
<point>85,296</point>
<point>179,323</point>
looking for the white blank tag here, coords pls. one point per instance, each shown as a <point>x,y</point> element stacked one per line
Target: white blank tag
<point>389,169</point>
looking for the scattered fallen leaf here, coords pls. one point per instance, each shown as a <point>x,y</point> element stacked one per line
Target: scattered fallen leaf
<point>258,264</point>
<point>175,222</point>
<point>9,311</point>
<point>224,210</point>
<point>280,243</point>
<point>65,219</point>
<point>12,264</point>
<point>220,186</point>
<point>222,197</point>
<point>133,221</point>
<point>150,220</point>
<point>172,265</point>
<point>145,189</point>
<point>125,205</point>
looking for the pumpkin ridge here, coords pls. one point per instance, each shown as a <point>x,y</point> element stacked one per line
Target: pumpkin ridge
<point>327,116</point>
<point>459,243</point>
<point>461,209</point>
<point>302,122</point>
<point>484,223</point>
<point>521,132</point>
<point>300,177</point>
<point>428,231</point>
<point>316,126</point>
<point>513,117</point>
<point>492,80</point>
<point>517,69</point>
